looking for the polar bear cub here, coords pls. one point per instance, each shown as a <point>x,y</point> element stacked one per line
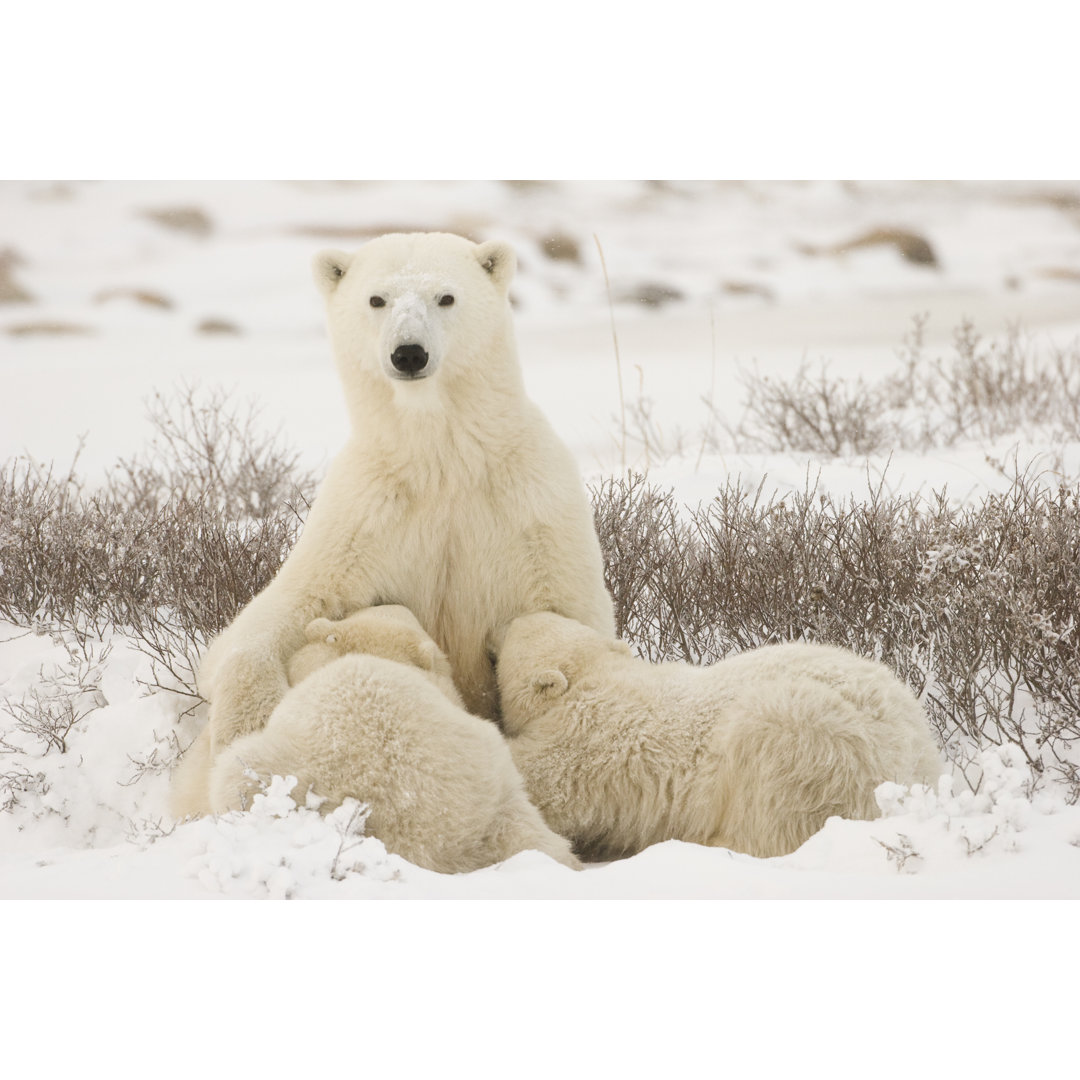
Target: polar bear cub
<point>389,631</point>
<point>753,753</point>
<point>386,726</point>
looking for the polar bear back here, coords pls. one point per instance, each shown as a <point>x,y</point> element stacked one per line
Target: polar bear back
<point>809,733</point>
<point>753,753</point>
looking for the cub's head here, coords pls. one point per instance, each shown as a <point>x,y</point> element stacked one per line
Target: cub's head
<point>411,308</point>
<point>541,657</point>
<point>389,631</point>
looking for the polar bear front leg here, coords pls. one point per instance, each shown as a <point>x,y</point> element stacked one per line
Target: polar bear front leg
<point>566,573</point>
<point>334,567</point>
<point>243,674</point>
<point>250,684</point>
<point>246,673</point>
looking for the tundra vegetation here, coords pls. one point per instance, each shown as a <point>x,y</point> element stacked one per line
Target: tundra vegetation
<point>973,604</point>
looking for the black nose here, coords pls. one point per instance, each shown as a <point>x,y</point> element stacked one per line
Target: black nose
<point>409,359</point>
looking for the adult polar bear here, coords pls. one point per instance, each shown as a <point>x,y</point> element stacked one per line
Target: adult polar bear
<point>453,497</point>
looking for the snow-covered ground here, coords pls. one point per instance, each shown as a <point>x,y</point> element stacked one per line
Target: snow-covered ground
<point>117,306</point>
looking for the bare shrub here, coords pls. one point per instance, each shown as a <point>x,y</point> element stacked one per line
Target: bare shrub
<point>974,608</point>
<point>982,391</point>
<point>47,538</point>
<point>160,759</point>
<point>352,833</point>
<point>995,388</point>
<point>190,579</point>
<point>205,449</point>
<point>648,552</point>
<point>17,781</point>
<point>901,852</point>
<point>174,545</point>
<point>652,441</point>
<point>812,412</point>
<point>61,699</point>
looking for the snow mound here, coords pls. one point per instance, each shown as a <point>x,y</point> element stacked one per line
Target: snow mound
<point>280,850</point>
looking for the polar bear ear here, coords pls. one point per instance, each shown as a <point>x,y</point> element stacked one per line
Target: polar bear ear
<point>499,260</point>
<point>427,652</point>
<point>550,684</point>
<point>329,268</point>
<point>318,630</point>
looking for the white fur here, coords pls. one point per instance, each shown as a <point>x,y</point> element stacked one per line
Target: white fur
<point>389,730</point>
<point>753,753</point>
<point>454,497</point>
<point>389,632</point>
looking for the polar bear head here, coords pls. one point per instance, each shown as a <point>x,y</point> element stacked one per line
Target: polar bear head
<point>388,631</point>
<point>543,656</point>
<point>409,311</point>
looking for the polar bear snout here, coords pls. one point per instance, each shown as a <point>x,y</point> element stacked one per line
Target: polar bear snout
<point>409,361</point>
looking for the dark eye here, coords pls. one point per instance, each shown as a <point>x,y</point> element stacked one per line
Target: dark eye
<point>446,300</point>
<point>377,301</point>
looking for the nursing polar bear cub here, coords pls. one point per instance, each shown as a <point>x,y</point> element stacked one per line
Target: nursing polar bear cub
<point>454,497</point>
<point>391,633</point>
<point>387,727</point>
<point>753,753</point>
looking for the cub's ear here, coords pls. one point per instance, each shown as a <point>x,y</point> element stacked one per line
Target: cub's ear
<point>328,268</point>
<point>499,260</point>
<point>427,652</point>
<point>319,630</point>
<point>550,684</point>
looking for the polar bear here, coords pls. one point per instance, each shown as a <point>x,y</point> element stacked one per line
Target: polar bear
<point>390,632</point>
<point>453,497</point>
<point>752,753</point>
<point>388,728</point>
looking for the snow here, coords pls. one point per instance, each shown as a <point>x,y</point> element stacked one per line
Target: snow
<point>95,826</point>
<point>92,822</point>
<point>253,270</point>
